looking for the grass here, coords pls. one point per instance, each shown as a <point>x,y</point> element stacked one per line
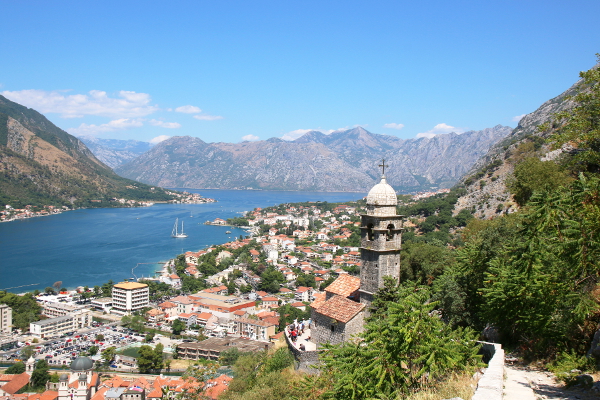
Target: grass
<point>462,386</point>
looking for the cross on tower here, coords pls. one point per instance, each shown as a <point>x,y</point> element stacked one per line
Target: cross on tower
<point>383,165</point>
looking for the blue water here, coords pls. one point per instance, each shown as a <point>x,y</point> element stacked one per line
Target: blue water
<point>90,247</point>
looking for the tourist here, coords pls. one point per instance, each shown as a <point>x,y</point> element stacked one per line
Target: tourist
<point>302,348</point>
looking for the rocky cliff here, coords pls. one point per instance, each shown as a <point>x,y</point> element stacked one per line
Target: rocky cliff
<point>341,161</point>
<point>487,194</point>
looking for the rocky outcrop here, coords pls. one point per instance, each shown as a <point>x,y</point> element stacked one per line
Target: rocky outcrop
<point>341,161</point>
<point>487,194</point>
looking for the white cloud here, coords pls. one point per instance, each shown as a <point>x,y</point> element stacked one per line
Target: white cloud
<point>518,117</point>
<point>114,125</point>
<point>96,102</point>
<point>168,125</point>
<point>440,129</point>
<point>293,135</point>
<point>208,117</point>
<point>159,139</point>
<point>250,138</point>
<point>393,125</point>
<point>188,109</point>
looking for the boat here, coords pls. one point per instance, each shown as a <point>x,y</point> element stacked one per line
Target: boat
<point>227,232</point>
<point>175,233</point>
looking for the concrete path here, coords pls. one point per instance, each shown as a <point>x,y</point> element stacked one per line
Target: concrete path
<point>516,385</point>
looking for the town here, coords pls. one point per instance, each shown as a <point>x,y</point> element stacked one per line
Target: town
<point>251,294</point>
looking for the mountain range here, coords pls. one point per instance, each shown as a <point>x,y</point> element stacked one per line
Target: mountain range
<point>115,152</point>
<point>341,161</point>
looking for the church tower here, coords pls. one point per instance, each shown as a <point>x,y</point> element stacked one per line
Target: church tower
<point>381,239</point>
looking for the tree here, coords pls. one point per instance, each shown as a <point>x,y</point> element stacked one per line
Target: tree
<point>16,368</point>
<point>178,326</point>
<point>93,350</point>
<point>149,359</point>
<point>533,175</point>
<point>409,348</point>
<point>580,125</point>
<point>40,374</point>
<point>108,354</point>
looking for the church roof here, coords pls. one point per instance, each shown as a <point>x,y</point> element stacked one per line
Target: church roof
<point>340,308</point>
<point>345,285</point>
<point>382,194</point>
<point>82,364</point>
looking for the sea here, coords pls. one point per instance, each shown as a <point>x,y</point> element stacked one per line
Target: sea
<point>89,247</point>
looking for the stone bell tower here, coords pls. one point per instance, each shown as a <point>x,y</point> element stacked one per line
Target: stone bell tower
<point>381,239</point>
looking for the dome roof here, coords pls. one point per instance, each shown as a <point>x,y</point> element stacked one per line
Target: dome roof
<point>64,377</point>
<point>82,364</point>
<point>382,194</point>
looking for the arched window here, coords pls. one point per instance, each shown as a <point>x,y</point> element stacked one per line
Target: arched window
<point>390,232</point>
<point>370,232</point>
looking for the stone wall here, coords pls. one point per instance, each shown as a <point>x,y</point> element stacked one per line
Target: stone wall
<point>491,384</point>
<point>306,359</point>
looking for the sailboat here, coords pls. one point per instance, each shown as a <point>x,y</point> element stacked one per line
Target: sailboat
<point>177,234</point>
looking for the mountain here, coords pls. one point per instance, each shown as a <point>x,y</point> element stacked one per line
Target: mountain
<point>115,152</point>
<point>487,195</point>
<point>342,161</point>
<point>40,164</point>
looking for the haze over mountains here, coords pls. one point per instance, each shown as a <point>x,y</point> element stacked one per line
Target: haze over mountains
<point>341,161</point>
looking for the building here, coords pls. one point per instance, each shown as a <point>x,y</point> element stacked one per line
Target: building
<point>128,297</point>
<point>211,349</point>
<point>341,313</point>
<point>5,318</point>
<point>60,325</point>
<point>255,329</point>
<point>55,309</point>
<point>102,304</point>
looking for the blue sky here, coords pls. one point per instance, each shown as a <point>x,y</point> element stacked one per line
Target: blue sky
<point>238,70</point>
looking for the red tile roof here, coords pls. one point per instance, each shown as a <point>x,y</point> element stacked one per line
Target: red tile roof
<point>319,300</point>
<point>340,308</point>
<point>16,383</point>
<point>345,285</point>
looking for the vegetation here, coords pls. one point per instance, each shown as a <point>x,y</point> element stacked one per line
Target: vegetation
<point>24,309</point>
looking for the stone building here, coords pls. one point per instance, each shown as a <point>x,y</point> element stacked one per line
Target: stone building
<point>341,313</point>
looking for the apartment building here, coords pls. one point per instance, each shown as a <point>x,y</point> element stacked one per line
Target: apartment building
<point>128,297</point>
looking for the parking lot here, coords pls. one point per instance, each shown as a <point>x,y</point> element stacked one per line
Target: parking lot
<point>62,351</point>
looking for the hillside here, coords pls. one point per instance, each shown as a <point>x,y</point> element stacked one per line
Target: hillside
<point>40,164</point>
<point>341,161</point>
<point>486,183</point>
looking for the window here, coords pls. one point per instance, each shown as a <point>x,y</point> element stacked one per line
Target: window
<point>390,233</point>
<point>332,328</point>
<point>370,232</point>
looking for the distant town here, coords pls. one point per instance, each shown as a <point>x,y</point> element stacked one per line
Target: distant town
<point>12,214</point>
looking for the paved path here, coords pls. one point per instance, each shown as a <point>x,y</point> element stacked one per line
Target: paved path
<point>516,385</point>
<point>522,383</point>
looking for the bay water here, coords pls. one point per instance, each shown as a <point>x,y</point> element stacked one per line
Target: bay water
<point>91,246</point>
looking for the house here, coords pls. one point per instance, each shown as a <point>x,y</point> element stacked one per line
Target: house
<point>270,301</point>
<point>303,293</point>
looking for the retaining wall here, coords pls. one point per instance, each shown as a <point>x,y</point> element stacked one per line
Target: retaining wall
<point>491,384</point>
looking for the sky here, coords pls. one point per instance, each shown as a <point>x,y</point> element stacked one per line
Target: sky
<point>229,71</point>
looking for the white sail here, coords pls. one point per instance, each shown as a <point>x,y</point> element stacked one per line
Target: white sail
<point>175,233</point>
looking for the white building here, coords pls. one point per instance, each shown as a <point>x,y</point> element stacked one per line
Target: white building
<point>5,318</point>
<point>60,325</point>
<point>128,297</point>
